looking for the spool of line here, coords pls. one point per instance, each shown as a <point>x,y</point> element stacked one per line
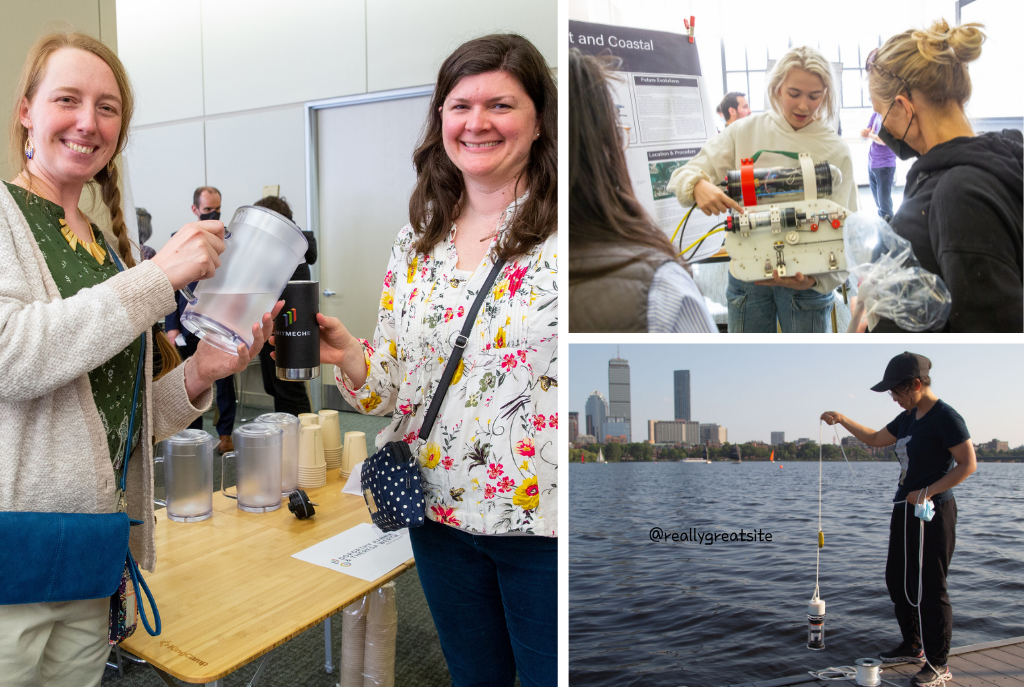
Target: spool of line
<point>867,672</point>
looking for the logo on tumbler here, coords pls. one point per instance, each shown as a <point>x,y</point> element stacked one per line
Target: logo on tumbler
<point>290,317</point>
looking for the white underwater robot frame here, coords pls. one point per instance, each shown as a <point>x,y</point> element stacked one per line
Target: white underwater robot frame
<point>803,235</point>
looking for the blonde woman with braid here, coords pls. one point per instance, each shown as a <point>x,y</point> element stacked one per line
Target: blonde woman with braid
<point>961,209</point>
<point>70,324</point>
<point>802,100</point>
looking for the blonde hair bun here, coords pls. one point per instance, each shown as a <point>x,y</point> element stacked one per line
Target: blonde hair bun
<point>945,45</point>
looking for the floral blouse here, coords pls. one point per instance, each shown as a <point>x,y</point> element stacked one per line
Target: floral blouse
<point>490,463</point>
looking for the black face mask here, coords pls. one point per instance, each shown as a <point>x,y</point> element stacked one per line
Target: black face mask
<point>899,146</point>
<point>210,215</point>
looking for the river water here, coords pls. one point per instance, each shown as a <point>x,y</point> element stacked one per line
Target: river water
<point>683,613</point>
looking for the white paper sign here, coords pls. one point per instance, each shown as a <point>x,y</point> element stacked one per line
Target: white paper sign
<point>363,551</point>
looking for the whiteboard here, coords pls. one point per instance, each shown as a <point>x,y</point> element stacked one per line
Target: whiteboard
<point>363,174</point>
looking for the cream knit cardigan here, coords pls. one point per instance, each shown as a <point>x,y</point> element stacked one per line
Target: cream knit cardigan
<point>53,449</point>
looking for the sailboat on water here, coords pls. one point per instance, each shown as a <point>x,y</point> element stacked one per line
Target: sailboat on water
<point>600,456</point>
<point>735,455</point>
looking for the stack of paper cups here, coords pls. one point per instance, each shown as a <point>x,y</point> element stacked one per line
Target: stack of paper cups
<point>332,438</point>
<point>309,419</point>
<point>353,640</point>
<point>381,636</point>
<point>312,466</point>
<point>354,452</point>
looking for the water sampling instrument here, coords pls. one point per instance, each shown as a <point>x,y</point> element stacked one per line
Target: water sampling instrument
<point>787,224</point>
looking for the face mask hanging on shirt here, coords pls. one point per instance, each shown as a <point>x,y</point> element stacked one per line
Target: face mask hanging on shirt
<point>925,509</point>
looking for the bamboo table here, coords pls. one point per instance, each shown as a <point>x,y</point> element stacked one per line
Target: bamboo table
<point>229,591</point>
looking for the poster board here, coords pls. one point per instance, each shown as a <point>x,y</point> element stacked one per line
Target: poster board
<point>663,99</point>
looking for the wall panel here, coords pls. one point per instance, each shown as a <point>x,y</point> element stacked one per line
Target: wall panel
<point>161,46</point>
<point>263,52</point>
<point>166,165</point>
<point>246,152</point>
<point>407,40</point>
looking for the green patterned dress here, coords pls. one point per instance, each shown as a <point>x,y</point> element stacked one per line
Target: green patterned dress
<point>113,382</point>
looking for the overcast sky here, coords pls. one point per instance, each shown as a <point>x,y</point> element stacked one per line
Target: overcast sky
<point>755,389</point>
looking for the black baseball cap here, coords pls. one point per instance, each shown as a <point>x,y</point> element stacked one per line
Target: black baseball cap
<point>901,368</point>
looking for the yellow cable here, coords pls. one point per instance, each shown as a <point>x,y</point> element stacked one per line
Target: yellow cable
<point>673,239</point>
<point>713,231</point>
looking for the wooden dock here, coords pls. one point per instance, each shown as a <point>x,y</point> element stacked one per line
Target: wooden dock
<point>992,664</point>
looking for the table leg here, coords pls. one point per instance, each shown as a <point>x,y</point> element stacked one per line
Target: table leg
<point>329,660</point>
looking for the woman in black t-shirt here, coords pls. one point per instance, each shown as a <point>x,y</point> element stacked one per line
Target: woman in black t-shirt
<point>935,453</point>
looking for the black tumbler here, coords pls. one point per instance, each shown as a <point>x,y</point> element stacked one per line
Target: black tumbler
<point>297,334</point>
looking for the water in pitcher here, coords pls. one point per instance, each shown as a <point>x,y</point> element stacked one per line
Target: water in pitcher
<point>237,311</point>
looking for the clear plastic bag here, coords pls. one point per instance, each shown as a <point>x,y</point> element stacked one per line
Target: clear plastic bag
<point>891,282</point>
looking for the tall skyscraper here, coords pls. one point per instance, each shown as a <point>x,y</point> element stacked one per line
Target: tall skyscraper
<point>597,411</point>
<point>778,438</point>
<point>681,383</point>
<point>574,426</point>
<point>618,390</point>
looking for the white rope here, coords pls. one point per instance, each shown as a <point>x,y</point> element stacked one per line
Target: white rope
<point>817,552</point>
<point>839,441</point>
<point>920,575</point>
<point>839,673</point>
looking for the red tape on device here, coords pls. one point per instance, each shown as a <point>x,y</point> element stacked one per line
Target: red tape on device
<point>747,182</point>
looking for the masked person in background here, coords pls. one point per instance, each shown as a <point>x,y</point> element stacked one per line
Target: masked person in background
<point>935,453</point>
<point>70,325</point>
<point>206,202</point>
<point>802,100</point>
<point>962,203</point>
<point>486,189</point>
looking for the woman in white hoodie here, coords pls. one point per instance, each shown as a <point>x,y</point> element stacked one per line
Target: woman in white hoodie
<point>803,99</point>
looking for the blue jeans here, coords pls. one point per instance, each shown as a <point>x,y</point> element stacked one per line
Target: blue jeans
<point>494,601</point>
<point>754,308</point>
<point>882,180</point>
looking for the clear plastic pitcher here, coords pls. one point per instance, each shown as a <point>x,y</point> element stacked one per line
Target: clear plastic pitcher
<point>261,251</point>
<point>289,424</point>
<point>257,457</point>
<point>188,475</point>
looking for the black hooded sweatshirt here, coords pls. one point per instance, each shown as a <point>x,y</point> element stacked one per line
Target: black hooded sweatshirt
<point>962,211</point>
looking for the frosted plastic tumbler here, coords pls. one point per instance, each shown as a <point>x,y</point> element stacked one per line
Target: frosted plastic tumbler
<point>289,424</point>
<point>188,475</point>
<point>261,251</point>
<point>258,467</point>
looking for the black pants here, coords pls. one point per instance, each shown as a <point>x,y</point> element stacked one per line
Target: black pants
<point>936,611</point>
<point>225,392</point>
<point>289,397</point>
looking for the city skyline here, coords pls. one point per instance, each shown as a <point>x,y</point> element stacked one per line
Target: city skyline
<point>755,389</point>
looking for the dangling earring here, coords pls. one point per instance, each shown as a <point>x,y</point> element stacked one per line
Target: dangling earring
<point>30,150</point>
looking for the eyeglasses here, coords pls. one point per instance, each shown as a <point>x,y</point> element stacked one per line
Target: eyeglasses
<point>624,130</point>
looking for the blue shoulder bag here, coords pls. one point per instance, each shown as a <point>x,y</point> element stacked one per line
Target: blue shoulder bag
<point>51,557</point>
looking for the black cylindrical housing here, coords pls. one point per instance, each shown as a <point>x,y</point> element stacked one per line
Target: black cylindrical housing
<point>771,183</point>
<point>297,334</point>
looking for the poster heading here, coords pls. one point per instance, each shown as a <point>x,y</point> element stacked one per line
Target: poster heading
<point>640,50</point>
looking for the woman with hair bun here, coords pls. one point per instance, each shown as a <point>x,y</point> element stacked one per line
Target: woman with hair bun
<point>962,202</point>
<point>803,100</point>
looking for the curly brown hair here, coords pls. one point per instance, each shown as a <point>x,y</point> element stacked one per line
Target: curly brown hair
<point>438,198</point>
